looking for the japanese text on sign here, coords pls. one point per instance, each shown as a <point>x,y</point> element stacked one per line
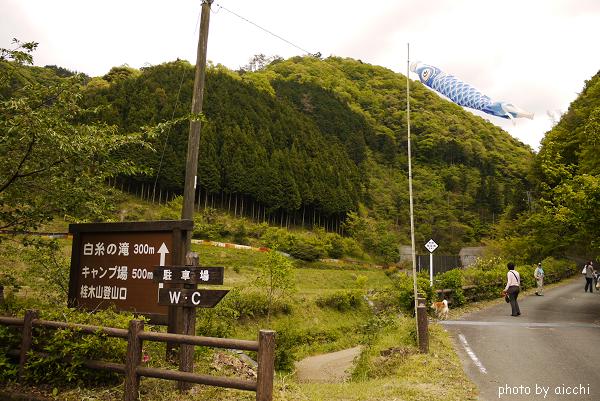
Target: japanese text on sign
<point>201,275</point>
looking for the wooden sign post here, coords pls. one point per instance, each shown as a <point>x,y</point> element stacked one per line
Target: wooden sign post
<point>182,292</point>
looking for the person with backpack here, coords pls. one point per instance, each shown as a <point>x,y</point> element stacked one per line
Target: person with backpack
<point>512,289</point>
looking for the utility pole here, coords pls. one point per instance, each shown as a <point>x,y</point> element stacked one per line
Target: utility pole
<point>183,320</point>
<point>191,165</point>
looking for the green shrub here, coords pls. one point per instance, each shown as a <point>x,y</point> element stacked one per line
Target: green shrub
<point>375,325</point>
<point>206,231</point>
<point>172,209</point>
<point>385,299</point>
<point>361,281</point>
<point>257,230</point>
<point>336,248</point>
<point>341,300</point>
<point>252,304</point>
<point>305,251</point>
<point>489,283</point>
<point>59,353</point>
<point>527,279</point>
<point>352,248</point>
<point>286,349</point>
<point>405,288</point>
<point>218,321</point>
<point>559,269</point>
<point>277,238</point>
<point>10,338</point>
<point>452,279</point>
<point>240,235</point>
<point>488,276</point>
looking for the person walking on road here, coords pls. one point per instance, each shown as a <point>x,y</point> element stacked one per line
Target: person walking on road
<point>588,270</point>
<point>538,274</point>
<point>513,283</point>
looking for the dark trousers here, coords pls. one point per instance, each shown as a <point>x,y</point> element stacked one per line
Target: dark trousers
<point>589,281</point>
<point>513,293</point>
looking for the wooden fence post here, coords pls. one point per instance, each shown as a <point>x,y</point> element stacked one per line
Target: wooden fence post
<point>423,328</point>
<point>26,340</point>
<point>266,365</point>
<point>132,360</point>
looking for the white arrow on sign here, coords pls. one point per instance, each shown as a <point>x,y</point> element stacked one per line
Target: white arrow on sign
<point>163,250</point>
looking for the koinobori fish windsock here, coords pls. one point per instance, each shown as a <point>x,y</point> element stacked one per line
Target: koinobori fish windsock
<point>464,94</point>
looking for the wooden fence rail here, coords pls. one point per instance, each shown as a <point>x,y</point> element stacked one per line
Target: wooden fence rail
<point>135,335</point>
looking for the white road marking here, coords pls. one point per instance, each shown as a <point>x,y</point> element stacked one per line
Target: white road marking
<point>471,354</point>
<point>520,324</point>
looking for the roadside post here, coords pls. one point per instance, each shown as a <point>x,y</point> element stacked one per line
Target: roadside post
<point>422,325</point>
<point>431,246</point>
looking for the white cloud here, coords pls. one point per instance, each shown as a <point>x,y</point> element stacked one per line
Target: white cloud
<point>536,54</point>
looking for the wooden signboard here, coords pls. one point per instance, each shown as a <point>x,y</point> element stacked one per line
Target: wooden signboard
<point>190,297</point>
<point>190,276</point>
<point>112,263</point>
<point>208,275</point>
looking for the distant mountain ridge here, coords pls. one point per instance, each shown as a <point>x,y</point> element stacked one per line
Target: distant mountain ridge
<point>306,140</point>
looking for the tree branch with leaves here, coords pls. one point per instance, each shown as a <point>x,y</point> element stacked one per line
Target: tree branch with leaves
<point>52,162</point>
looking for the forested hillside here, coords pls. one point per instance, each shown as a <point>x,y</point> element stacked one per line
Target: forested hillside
<point>308,141</point>
<point>564,219</point>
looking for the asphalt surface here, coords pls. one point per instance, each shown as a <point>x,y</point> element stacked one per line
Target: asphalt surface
<point>334,367</point>
<point>550,352</point>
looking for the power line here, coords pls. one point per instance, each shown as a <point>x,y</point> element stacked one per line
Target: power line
<point>317,54</point>
<point>269,32</point>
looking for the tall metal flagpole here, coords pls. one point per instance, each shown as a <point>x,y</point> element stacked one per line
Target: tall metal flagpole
<point>410,190</point>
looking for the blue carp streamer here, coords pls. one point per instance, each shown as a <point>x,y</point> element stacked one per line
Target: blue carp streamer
<point>464,94</point>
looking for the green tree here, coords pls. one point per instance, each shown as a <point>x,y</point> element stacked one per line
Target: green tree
<point>277,277</point>
<point>50,162</point>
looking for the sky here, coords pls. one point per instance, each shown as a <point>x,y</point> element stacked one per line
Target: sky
<point>536,54</point>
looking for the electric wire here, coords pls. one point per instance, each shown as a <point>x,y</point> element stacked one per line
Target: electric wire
<point>267,31</point>
<point>317,54</point>
<point>162,156</point>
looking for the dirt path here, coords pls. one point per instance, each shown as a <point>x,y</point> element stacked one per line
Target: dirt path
<point>327,368</point>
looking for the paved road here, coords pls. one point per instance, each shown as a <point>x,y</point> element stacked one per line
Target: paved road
<point>554,346</point>
<point>334,367</point>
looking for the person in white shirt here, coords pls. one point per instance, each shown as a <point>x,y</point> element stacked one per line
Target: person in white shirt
<point>538,274</point>
<point>513,283</point>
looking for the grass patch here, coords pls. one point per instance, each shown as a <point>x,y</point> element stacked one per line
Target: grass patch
<point>401,373</point>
